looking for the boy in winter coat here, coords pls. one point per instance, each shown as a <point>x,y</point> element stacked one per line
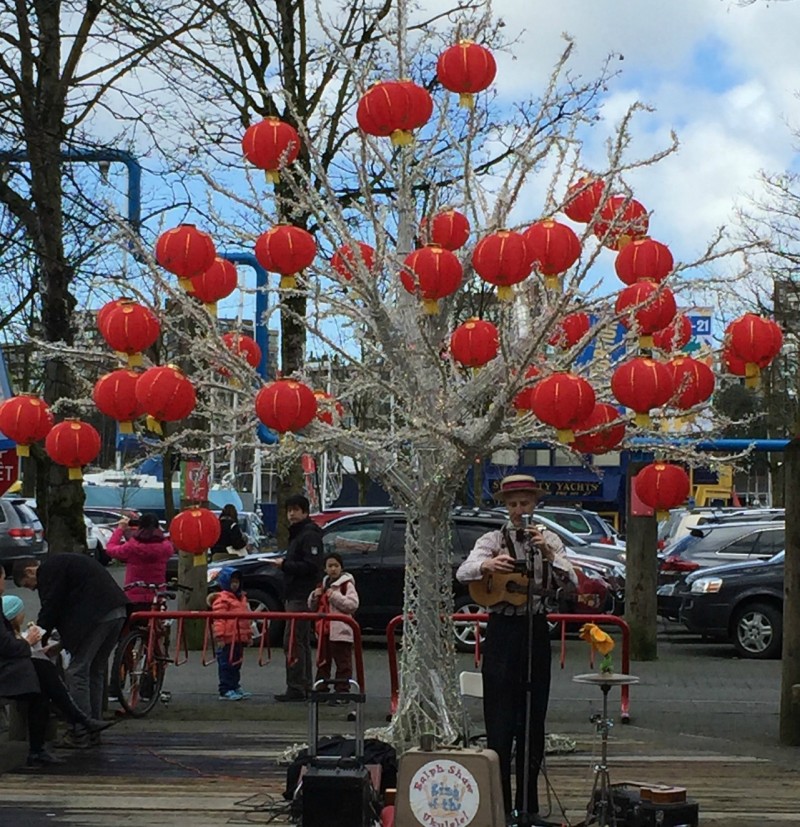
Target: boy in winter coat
<point>230,633</point>
<point>337,593</point>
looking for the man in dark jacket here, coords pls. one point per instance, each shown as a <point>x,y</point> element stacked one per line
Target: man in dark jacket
<point>80,599</point>
<point>301,567</point>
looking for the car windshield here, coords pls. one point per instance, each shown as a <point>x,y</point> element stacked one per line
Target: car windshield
<point>680,546</point>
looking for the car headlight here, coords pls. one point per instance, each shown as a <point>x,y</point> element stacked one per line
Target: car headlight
<point>706,585</point>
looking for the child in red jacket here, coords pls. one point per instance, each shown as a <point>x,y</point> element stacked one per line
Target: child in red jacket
<point>230,634</point>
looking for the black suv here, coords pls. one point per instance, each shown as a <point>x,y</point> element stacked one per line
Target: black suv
<point>372,546</point>
<point>21,533</point>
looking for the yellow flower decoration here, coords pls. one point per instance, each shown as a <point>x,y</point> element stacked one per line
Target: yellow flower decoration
<point>601,642</point>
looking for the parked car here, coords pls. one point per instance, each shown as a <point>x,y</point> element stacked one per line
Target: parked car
<point>741,603</point>
<point>21,533</point>
<point>373,548</point>
<point>588,525</point>
<point>713,545</point>
<point>682,520</point>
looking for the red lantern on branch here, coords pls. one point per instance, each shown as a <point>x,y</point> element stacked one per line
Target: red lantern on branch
<point>286,405</point>
<point>604,436</point>
<point>449,229</point>
<point>571,329</point>
<point>562,400</point>
<point>553,248</point>
<point>166,395</point>
<point>431,273</point>
<point>641,384</point>
<point>185,251</point>
<point>474,343</point>
<point>732,363</point>
<point>693,382</point>
<point>755,340</point>
<point>622,220</point>
<point>394,109</point>
<point>644,258</point>
<point>103,312</point>
<point>215,284</point>
<point>244,347</point>
<point>583,199</point>
<point>194,531</point>
<point>329,409</point>
<point>287,250</point>
<point>675,335</point>
<point>522,401</point>
<point>129,328</point>
<point>662,486</point>
<point>347,261</point>
<point>652,307</point>
<point>72,443</point>
<point>115,396</point>
<point>25,419</point>
<point>270,145</point>
<point>466,68</point>
<point>502,259</point>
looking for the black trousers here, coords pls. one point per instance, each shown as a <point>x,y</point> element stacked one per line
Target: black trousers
<point>505,663</point>
<point>55,690</point>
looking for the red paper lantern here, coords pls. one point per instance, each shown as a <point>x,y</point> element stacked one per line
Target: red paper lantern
<point>72,443</point>
<point>194,531</point>
<point>605,436</point>
<point>650,307</point>
<point>622,220</point>
<point>755,340</point>
<point>553,248</point>
<point>675,335</point>
<point>641,384</point>
<point>474,343</point>
<point>25,419</point>
<point>662,486</point>
<point>502,259</point>
<point>432,273</point>
<point>449,229</point>
<point>693,382</point>
<point>103,312</point>
<point>571,329</point>
<point>644,258</point>
<point>185,251</point>
<point>244,347</point>
<point>466,68</point>
<point>328,407</point>
<point>115,396</point>
<point>562,400</point>
<point>733,364</point>
<point>286,405</point>
<point>287,250</point>
<point>129,328</point>
<point>393,109</point>
<point>522,401</point>
<point>216,283</point>
<point>583,199</point>
<point>166,395</point>
<point>346,261</point>
<point>271,144</point>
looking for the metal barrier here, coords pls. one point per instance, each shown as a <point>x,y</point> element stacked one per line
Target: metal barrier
<point>563,619</point>
<point>208,617</point>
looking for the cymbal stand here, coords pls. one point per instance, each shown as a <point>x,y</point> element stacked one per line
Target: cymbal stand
<point>601,810</point>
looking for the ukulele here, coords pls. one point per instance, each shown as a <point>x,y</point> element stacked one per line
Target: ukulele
<point>504,587</point>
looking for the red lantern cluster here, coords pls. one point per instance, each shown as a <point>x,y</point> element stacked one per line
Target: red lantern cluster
<point>621,221</point>
<point>651,306</point>
<point>466,68</point>
<point>675,335</point>
<point>474,343</point>
<point>431,273</point>
<point>662,486</point>
<point>244,347</point>
<point>394,108</point>
<point>502,259</point>
<point>553,248</point>
<point>194,531</point>
<point>571,329</point>
<point>641,384</point>
<point>287,250</point>
<point>115,395</point>
<point>449,229</point>
<point>271,144</point>
<point>563,400</point>
<point>216,283</point>
<point>693,382</point>
<point>644,258</point>
<point>754,340</point>
<point>128,328</point>
<point>596,434</point>
<point>185,252</point>
<point>583,199</point>
<point>166,395</point>
<point>286,405</point>
<point>25,419</point>
<point>347,261</point>
<point>74,444</point>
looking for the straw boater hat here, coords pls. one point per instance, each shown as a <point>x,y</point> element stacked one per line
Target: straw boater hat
<point>515,483</point>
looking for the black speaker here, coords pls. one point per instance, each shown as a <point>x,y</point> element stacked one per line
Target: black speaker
<point>335,796</point>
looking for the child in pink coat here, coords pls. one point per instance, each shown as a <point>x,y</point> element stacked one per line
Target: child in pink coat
<point>230,634</point>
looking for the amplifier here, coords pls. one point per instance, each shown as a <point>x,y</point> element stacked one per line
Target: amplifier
<point>632,810</point>
<point>338,797</point>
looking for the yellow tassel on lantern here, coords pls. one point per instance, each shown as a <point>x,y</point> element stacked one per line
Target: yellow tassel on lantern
<point>199,559</point>
<point>126,427</point>
<point>566,435</point>
<point>466,100</point>
<point>23,450</point>
<point>75,473</point>
<point>623,241</point>
<point>212,309</point>
<point>646,342</point>
<point>553,283</point>
<point>402,137</point>
<point>273,176</point>
<point>642,420</point>
<point>134,359</point>
<point>505,293</point>
<point>662,515</point>
<point>288,282</point>
<point>752,375</point>
<point>186,284</point>
<point>152,424</point>
<point>430,307</point>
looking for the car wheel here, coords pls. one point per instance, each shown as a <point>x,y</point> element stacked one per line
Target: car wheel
<point>466,632</point>
<point>259,601</point>
<point>758,631</point>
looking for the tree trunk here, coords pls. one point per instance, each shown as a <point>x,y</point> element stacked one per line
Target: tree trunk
<point>790,673</point>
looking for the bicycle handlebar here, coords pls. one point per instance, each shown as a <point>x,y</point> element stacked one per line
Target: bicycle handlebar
<point>158,587</point>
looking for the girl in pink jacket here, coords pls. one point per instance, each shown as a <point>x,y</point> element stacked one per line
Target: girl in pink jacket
<point>230,634</point>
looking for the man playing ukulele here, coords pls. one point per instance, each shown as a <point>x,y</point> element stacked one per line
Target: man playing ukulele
<point>506,650</point>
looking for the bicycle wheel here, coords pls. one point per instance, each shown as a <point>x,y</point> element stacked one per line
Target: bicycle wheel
<point>139,682</point>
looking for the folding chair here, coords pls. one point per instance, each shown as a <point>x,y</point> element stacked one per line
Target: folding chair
<point>470,685</point>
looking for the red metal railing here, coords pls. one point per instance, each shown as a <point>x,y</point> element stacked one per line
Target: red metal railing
<point>563,619</point>
<point>181,647</point>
